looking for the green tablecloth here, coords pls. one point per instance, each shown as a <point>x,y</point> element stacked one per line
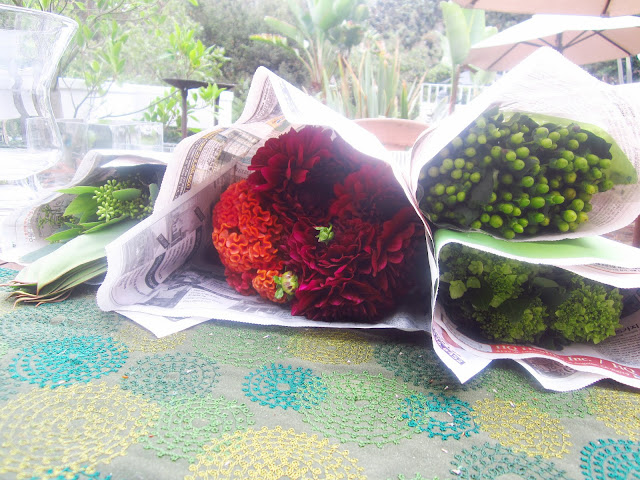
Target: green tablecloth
<point>89,394</point>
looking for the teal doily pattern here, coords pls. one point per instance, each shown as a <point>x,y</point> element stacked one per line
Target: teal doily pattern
<point>29,324</point>
<point>491,462</point>
<point>186,424</point>
<point>6,274</point>
<point>611,459</point>
<point>166,376</point>
<point>420,366</point>
<point>8,385</point>
<point>4,348</point>
<point>440,416</point>
<point>279,386</point>
<point>241,345</point>
<point>68,474</point>
<point>68,360</point>
<point>370,402</point>
<point>512,383</point>
<point>330,346</point>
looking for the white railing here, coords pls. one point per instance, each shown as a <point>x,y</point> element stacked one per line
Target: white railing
<point>434,94</point>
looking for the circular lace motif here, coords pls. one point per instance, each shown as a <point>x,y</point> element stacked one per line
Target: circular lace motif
<point>611,459</point>
<point>277,386</point>
<point>187,423</point>
<point>489,462</point>
<point>440,416</point>
<point>68,360</point>
<point>618,409</point>
<point>517,386</point>
<point>69,475</point>
<point>28,324</point>
<point>419,365</point>
<point>48,430</point>
<point>166,376</point>
<point>371,403</point>
<point>273,454</point>
<point>140,340</point>
<point>330,346</point>
<point>240,345</point>
<point>522,428</point>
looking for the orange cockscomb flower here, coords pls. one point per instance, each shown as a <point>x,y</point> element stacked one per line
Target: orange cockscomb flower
<point>245,235</point>
<point>265,285</point>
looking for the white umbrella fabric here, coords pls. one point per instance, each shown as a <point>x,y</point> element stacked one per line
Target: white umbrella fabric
<point>581,39</point>
<point>575,7</point>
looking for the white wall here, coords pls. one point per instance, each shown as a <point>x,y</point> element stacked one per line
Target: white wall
<point>121,100</point>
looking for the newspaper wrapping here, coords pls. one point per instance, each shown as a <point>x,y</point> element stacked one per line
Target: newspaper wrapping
<point>160,275</point>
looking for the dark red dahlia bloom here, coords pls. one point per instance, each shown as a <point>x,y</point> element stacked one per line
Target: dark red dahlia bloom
<point>289,158</point>
<point>372,193</point>
<point>340,299</point>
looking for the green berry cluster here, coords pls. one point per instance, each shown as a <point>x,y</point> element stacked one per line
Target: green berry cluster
<point>122,198</point>
<point>513,176</point>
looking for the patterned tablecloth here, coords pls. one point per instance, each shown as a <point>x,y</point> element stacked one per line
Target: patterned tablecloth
<point>86,394</point>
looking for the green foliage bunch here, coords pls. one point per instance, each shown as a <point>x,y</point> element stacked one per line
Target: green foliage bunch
<point>515,302</point>
<point>322,31</point>
<point>510,176</point>
<point>98,207</point>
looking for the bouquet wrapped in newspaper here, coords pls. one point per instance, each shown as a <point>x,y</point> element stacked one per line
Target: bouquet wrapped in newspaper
<point>517,189</point>
<point>321,226</point>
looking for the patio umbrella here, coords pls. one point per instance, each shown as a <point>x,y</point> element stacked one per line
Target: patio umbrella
<point>575,7</point>
<point>582,39</point>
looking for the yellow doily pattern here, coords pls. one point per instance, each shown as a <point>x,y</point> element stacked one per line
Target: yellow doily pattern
<point>330,346</point>
<point>274,454</point>
<point>522,428</point>
<point>617,409</point>
<point>77,427</point>
<point>140,340</point>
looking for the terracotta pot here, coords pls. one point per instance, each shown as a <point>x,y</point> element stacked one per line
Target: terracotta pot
<point>394,133</point>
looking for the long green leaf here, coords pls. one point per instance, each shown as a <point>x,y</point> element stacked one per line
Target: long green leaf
<point>286,29</point>
<point>456,26</point>
<point>76,252</point>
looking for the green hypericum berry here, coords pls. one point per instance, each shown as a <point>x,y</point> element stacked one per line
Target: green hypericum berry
<point>433,172</point>
<point>493,197</point>
<point>569,216</point>
<point>510,155</point>
<point>557,199</point>
<point>438,189</point>
<point>471,139</point>
<point>536,217</point>
<point>508,233</point>
<point>487,160</point>
<point>542,132</point>
<point>475,177</point>
<point>476,224</point>
<point>581,163</point>
<point>569,193</point>
<point>537,202</point>
<point>562,226</point>
<point>438,207</point>
<point>450,190</point>
<point>523,221</point>
<point>546,143</point>
<point>482,139</point>
<point>527,181</point>
<point>518,165</point>
<point>506,208</point>
<point>496,151</point>
<point>554,182</point>
<point>554,136</point>
<point>587,207</point>
<point>573,144</point>
<point>563,132</point>
<point>596,172</point>
<point>470,152</point>
<point>517,228</point>
<point>485,217</point>
<point>559,163</point>
<point>506,178</point>
<point>456,174</point>
<point>516,212</point>
<point>545,221</point>
<point>495,221</point>
<point>524,202</point>
<point>459,162</point>
<point>567,155</point>
<point>447,164</point>
<point>577,205</point>
<point>517,138</point>
<point>592,159</point>
<point>507,196</point>
<point>522,152</point>
<point>582,217</point>
<point>604,163</point>
<point>456,142</point>
<point>570,177</point>
<point>582,137</point>
<point>481,122</point>
<point>460,196</point>
<point>542,188</point>
<point>606,185</point>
